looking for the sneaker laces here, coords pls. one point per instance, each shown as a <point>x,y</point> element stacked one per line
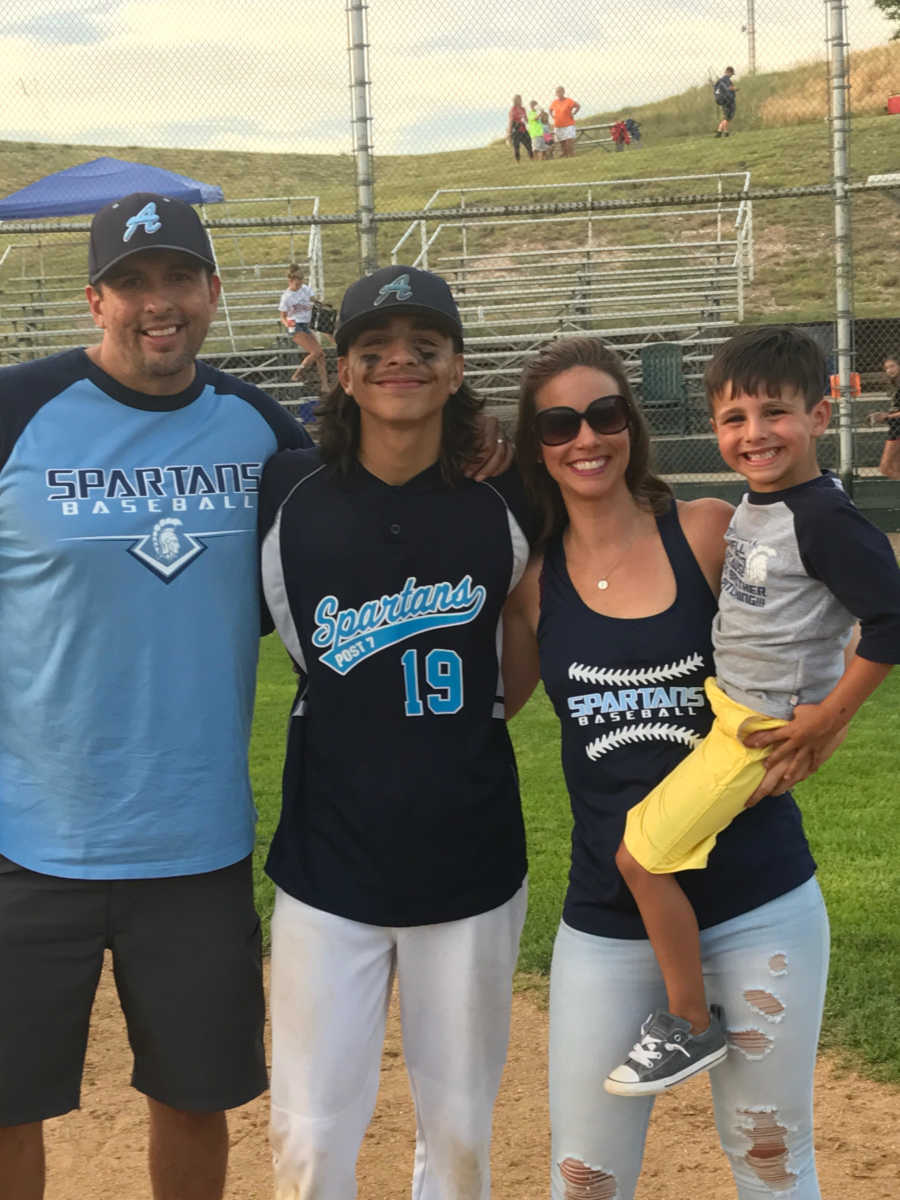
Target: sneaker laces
<point>645,1051</point>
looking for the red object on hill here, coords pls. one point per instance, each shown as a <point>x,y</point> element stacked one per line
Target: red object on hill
<point>893,104</point>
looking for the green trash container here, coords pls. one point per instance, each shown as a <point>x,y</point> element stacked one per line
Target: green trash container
<point>663,390</point>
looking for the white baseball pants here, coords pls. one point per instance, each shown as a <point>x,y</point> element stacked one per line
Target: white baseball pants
<point>331,983</point>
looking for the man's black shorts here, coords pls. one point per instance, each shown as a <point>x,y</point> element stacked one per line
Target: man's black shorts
<point>187,957</point>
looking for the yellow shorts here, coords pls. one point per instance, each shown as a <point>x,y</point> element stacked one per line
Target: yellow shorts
<point>674,827</point>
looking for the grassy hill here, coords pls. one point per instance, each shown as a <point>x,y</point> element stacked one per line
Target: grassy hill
<point>779,136</point>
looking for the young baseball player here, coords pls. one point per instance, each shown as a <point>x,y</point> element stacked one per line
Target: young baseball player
<point>400,850</point>
<point>801,566</point>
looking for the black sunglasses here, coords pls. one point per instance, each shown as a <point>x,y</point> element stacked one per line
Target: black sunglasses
<point>606,414</point>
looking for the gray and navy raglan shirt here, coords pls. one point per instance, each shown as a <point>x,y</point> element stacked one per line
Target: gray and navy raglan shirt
<point>801,567</point>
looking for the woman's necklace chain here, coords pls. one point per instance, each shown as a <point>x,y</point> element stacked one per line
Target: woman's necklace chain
<point>603,581</point>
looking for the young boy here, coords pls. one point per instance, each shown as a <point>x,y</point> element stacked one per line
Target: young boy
<point>801,565</point>
<point>401,849</point>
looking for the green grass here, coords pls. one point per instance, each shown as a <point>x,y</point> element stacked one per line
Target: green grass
<point>849,811</point>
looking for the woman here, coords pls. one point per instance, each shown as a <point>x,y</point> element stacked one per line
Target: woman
<point>615,612</point>
<point>517,128</point>
<point>295,310</point>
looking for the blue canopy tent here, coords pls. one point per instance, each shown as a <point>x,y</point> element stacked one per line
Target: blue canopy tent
<point>89,186</point>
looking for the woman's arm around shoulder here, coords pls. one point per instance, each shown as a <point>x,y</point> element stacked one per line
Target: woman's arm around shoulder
<point>521,664</point>
<point>704,523</point>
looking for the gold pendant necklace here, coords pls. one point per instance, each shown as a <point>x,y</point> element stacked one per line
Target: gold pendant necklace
<point>603,581</point>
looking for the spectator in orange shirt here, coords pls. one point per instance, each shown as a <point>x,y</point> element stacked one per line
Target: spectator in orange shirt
<point>563,110</point>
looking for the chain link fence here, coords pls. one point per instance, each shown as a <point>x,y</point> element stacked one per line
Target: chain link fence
<point>388,132</point>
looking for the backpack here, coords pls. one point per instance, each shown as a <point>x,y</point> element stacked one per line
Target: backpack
<point>721,92</point>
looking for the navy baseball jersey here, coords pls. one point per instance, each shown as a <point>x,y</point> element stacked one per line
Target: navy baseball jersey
<point>129,618</point>
<point>401,802</point>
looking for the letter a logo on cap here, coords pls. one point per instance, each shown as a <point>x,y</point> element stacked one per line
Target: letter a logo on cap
<point>399,287</point>
<point>148,217</point>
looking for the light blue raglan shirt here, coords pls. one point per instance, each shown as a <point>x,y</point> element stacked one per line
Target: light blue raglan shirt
<point>129,618</point>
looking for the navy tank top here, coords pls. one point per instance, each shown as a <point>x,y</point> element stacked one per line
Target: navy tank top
<point>629,697</point>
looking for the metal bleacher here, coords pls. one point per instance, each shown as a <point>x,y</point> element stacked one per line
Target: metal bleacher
<point>674,274</point>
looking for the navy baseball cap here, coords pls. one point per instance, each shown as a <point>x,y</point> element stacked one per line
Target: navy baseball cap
<point>396,290</point>
<point>145,221</point>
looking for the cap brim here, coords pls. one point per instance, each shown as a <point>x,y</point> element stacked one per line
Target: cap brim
<point>356,324</point>
<point>98,275</point>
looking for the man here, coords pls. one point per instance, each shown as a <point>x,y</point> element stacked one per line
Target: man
<point>563,110</point>
<point>400,849</point>
<point>129,619</point>
<point>724,92</point>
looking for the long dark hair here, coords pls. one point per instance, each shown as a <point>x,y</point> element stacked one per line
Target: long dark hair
<point>650,492</point>
<point>339,428</point>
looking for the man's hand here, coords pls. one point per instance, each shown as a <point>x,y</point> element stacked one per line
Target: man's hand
<point>494,451</point>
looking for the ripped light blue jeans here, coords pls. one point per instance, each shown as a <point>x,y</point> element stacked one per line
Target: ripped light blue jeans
<point>767,968</point>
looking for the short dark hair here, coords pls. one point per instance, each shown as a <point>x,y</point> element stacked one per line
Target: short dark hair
<point>768,358</point>
<point>339,425</point>
<point>892,356</point>
<point>552,359</point>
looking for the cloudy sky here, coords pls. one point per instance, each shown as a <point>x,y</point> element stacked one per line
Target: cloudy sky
<point>255,75</point>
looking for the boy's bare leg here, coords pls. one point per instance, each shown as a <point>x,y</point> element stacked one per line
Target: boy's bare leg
<point>188,1153</point>
<point>672,928</point>
<point>22,1161</point>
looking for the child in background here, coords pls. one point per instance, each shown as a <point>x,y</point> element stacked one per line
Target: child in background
<point>295,310</point>
<point>801,564</point>
<point>535,129</point>
<point>549,140</point>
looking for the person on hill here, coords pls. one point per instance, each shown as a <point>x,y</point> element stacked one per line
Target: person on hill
<point>130,622</point>
<point>634,130</point>
<point>517,128</point>
<point>615,612</point>
<point>620,135</point>
<point>536,129</point>
<point>400,850</point>
<point>890,457</point>
<point>549,140</point>
<point>295,310</point>
<point>563,110</point>
<point>725,92</point>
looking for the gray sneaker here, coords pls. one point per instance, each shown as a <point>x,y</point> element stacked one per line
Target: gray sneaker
<point>667,1054</point>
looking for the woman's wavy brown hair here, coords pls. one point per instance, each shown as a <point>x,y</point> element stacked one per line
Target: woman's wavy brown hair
<point>555,357</point>
<point>339,428</point>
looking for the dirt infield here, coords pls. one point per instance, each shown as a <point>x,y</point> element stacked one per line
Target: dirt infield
<point>99,1151</point>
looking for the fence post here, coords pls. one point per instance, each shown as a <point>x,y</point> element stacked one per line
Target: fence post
<point>836,12</point>
<point>360,123</point>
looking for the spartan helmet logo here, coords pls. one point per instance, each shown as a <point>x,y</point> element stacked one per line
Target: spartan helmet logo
<point>165,539</point>
<point>399,288</point>
<point>757,568</point>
